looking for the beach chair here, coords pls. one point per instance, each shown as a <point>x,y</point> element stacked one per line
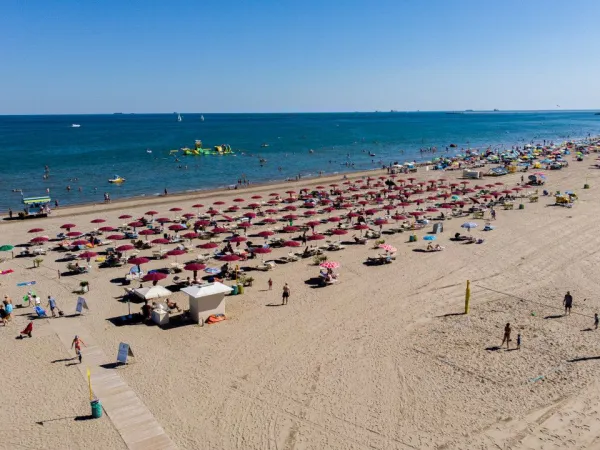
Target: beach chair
<point>508,206</point>
<point>158,254</point>
<point>477,214</point>
<point>176,267</point>
<point>291,257</point>
<point>533,199</point>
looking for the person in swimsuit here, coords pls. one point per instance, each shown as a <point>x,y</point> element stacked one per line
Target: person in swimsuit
<point>507,331</point>
<point>286,294</point>
<point>77,344</point>
<point>568,302</point>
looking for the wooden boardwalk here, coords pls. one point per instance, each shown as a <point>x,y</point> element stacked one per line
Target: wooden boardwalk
<point>134,422</point>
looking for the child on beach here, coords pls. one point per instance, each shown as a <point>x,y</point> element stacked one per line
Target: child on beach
<point>77,344</point>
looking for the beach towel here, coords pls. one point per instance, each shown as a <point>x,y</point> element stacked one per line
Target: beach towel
<point>6,272</point>
<point>26,283</point>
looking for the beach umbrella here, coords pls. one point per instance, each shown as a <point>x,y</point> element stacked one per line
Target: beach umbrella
<point>290,229</point>
<point>177,227</point>
<point>292,244</point>
<point>160,241</point>
<point>115,237</point>
<point>256,197</point>
<point>106,229</point>
<point>6,248</point>
<point>469,225</point>
<point>138,262</point>
<point>136,224</point>
<point>202,223</point>
<point>429,237</point>
<point>190,235</point>
<point>290,217</point>
<point>188,215</point>
<point>68,226</point>
<point>124,248</point>
<point>155,277</point>
<point>399,217</point>
<point>80,242</point>
<point>218,230</point>
<point>36,230</point>
<point>176,252</point>
<point>269,220</point>
<point>244,225</point>
<point>290,208</point>
<point>162,220</point>
<point>230,258</point>
<point>236,239</point>
<point>316,237</point>
<point>334,219</point>
<point>194,267</point>
<point>219,202</point>
<point>238,200</point>
<point>388,248</point>
<point>124,216</point>
<point>74,233</point>
<point>146,232</point>
<point>175,209</point>
<point>250,215</point>
<point>151,213</point>
<point>261,250</point>
<point>432,209</point>
<point>39,239</point>
<point>97,221</point>
<point>208,245</point>
<point>254,205</point>
<point>87,254</point>
<point>361,226</point>
<point>380,222</point>
<point>330,265</point>
<point>266,233</point>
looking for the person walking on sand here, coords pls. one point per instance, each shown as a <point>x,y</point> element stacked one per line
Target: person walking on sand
<point>519,341</point>
<point>77,344</point>
<point>493,212</point>
<point>285,295</point>
<point>568,303</point>
<point>507,331</point>
<point>596,321</point>
<point>270,284</point>
<point>52,305</point>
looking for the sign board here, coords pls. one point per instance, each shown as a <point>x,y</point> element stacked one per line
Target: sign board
<point>81,304</point>
<point>124,352</point>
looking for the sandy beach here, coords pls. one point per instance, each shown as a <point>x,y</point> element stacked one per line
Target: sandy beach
<point>383,359</point>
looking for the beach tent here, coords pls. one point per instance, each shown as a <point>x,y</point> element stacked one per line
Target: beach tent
<point>148,293</point>
<point>206,300</point>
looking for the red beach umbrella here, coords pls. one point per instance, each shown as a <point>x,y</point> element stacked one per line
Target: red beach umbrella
<point>238,239</point>
<point>176,227</point>
<point>115,237</point>
<point>194,267</point>
<point>265,233</point>
<point>176,252</point>
<point>136,224</point>
<point>97,221</point>
<point>316,237</point>
<point>339,231</point>
<point>162,220</point>
<point>208,245</point>
<point>160,241</point>
<point>190,235</point>
<point>290,229</point>
<point>124,216</point>
<point>146,232</point>
<point>124,248</point>
<point>175,209</point>
<point>292,244</point>
<point>155,277</point>
<point>36,230</point>
<point>107,228</point>
<point>74,233</point>
<point>138,261</point>
<point>86,255</point>
<point>68,226</point>
<point>39,239</point>
<point>230,258</point>
<point>151,213</point>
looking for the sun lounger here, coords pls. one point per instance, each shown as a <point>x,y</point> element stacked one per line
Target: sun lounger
<point>478,215</point>
<point>291,257</point>
<point>267,265</point>
<point>508,206</point>
<point>533,199</point>
<point>176,267</point>
<point>72,267</point>
<point>158,254</point>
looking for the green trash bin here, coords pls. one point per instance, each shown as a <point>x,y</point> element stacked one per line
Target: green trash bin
<point>240,288</point>
<point>235,290</point>
<point>522,206</point>
<point>96,409</point>
<point>412,238</point>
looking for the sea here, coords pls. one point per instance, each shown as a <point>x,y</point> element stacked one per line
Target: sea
<point>268,147</point>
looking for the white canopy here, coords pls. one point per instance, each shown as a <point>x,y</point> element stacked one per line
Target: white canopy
<point>205,290</point>
<point>148,293</point>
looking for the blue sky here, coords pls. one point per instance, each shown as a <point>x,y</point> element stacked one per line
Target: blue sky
<point>103,56</point>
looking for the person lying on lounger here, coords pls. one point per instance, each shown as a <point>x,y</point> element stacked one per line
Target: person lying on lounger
<point>172,305</point>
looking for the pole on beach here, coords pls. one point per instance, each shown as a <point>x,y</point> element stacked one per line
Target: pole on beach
<point>467,297</point>
<point>89,377</point>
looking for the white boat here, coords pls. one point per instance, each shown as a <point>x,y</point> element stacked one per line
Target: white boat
<point>75,125</point>
<point>179,119</point>
<point>201,118</point>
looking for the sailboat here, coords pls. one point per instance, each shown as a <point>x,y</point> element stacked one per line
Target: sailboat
<point>179,119</point>
<point>201,118</point>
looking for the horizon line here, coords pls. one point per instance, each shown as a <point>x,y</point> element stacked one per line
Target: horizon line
<point>393,111</point>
